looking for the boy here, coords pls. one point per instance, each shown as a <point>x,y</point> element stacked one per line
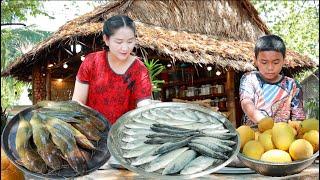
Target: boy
<point>266,92</point>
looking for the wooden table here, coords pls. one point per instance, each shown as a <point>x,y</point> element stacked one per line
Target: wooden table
<point>107,172</point>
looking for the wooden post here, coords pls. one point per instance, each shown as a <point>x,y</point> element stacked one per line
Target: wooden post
<point>231,96</point>
<point>48,85</point>
<point>59,55</point>
<point>38,84</point>
<point>33,87</point>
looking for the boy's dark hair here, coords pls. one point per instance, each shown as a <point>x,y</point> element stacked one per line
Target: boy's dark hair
<point>270,43</point>
<point>115,22</point>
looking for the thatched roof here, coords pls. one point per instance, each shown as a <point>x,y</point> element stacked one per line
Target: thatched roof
<point>198,48</point>
<point>215,32</point>
<point>314,76</point>
<point>225,18</point>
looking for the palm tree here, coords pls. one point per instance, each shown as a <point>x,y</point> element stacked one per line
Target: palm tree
<point>14,43</point>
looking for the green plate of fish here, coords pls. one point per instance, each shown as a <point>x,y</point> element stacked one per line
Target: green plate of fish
<point>173,140</point>
<point>57,140</point>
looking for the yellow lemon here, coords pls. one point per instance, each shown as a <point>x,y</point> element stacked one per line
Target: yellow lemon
<point>295,124</point>
<point>309,124</point>
<point>300,149</point>
<point>282,136</point>
<point>276,156</point>
<point>246,134</point>
<point>313,137</point>
<point>269,131</point>
<point>265,124</point>
<point>266,141</point>
<point>293,130</point>
<point>256,135</point>
<point>253,149</point>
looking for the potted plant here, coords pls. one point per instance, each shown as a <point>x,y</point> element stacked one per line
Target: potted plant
<point>154,69</point>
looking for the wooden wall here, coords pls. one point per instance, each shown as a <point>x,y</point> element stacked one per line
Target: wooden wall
<point>55,91</point>
<point>62,90</point>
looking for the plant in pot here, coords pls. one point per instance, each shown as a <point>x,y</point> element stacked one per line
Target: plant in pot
<point>8,170</point>
<point>154,68</point>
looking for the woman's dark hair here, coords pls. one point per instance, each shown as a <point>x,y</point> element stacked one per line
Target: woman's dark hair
<point>116,22</point>
<point>270,43</point>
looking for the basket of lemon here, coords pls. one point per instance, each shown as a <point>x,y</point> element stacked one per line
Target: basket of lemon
<point>279,149</point>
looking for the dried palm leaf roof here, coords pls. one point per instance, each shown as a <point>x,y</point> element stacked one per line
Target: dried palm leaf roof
<point>223,18</point>
<point>222,34</point>
<point>199,48</point>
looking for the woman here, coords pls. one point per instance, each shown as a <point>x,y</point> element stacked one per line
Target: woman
<point>113,81</point>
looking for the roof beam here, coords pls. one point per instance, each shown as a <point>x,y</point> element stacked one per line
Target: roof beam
<point>69,52</point>
<point>65,61</point>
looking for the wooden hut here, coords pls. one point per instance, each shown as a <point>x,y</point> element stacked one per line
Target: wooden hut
<point>219,34</point>
<point>310,86</point>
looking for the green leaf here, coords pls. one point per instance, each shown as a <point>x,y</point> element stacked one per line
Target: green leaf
<point>13,39</point>
<point>296,22</point>
<point>154,68</point>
